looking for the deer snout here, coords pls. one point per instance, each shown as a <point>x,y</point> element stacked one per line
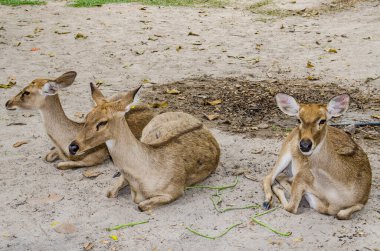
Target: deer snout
<point>73,148</point>
<point>8,105</point>
<point>306,145</point>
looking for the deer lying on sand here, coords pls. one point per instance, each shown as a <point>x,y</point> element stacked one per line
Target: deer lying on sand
<point>175,151</point>
<point>328,167</point>
<point>42,95</point>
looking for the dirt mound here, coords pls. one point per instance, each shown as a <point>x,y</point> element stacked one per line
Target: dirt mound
<point>244,106</point>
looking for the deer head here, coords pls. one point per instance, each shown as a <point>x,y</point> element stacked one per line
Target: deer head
<point>312,118</point>
<point>33,96</point>
<point>97,127</point>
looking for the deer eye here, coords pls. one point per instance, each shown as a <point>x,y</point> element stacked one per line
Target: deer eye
<point>299,121</point>
<point>26,93</point>
<point>322,122</point>
<point>100,124</point>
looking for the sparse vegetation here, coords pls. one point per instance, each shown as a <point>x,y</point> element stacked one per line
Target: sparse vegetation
<point>21,2</point>
<point>91,3</point>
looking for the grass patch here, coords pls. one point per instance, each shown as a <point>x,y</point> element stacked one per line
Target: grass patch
<point>207,3</point>
<point>260,4</point>
<point>21,2</point>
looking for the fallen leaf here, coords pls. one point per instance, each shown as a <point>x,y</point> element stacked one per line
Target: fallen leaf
<point>65,228</point>
<point>20,143</point>
<point>297,240</point>
<point>104,242</point>
<point>309,64</point>
<point>62,32</point>
<point>179,48</point>
<point>376,116</point>
<point>88,246</point>
<point>54,223</point>
<point>160,105</point>
<point>114,237</point>
<point>192,34</point>
<point>51,54</point>
<point>312,78</point>
<point>215,102</point>
<point>35,49</point>
<point>11,82</point>
<point>197,43</point>
<point>80,36</point>
<point>172,91</point>
<point>143,8</point>
<point>91,173</point>
<point>139,52</point>
<point>211,116</point>
<point>332,50</point>
<point>263,126</point>
<point>152,38</point>
<point>98,83</point>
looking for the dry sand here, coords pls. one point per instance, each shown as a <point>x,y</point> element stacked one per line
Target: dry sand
<point>118,52</point>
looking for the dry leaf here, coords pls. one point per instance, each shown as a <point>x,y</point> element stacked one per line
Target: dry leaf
<point>332,50</point>
<point>152,38</point>
<point>172,91</point>
<point>163,104</point>
<point>11,82</point>
<point>143,8</point>
<point>91,173</point>
<point>54,223</point>
<point>35,49</point>
<point>215,102</point>
<point>65,228</point>
<point>297,240</point>
<point>309,64</point>
<point>211,116</point>
<point>312,78</point>
<point>20,143</point>
<point>62,32</point>
<point>114,237</point>
<point>80,36</point>
<point>375,116</point>
<point>139,52</point>
<point>192,34</point>
<point>88,246</point>
<point>179,48</point>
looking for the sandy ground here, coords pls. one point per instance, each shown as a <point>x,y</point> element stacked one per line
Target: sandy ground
<point>118,52</point>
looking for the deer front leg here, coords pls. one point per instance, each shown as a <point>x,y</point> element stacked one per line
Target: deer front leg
<point>119,184</point>
<point>158,200</point>
<point>52,156</point>
<point>301,184</point>
<point>90,160</point>
<point>283,161</point>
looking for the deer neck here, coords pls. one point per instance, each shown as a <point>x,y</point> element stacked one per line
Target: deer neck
<point>58,126</point>
<point>128,153</point>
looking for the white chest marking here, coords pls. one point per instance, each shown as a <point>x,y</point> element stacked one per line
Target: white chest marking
<point>110,143</point>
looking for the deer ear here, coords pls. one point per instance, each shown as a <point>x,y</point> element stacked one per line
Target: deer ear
<point>50,88</point>
<point>66,79</point>
<point>132,98</point>
<point>338,105</point>
<point>97,96</point>
<point>287,104</point>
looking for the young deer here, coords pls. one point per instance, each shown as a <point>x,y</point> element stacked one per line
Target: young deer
<point>328,167</point>
<point>175,151</point>
<point>42,95</point>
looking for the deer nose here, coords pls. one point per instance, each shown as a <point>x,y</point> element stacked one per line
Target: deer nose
<point>7,104</point>
<point>73,148</point>
<point>305,145</point>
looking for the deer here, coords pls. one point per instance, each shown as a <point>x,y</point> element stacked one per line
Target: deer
<point>42,94</point>
<point>328,168</point>
<point>175,150</point>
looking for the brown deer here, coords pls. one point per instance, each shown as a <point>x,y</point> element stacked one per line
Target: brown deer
<point>175,151</point>
<point>42,94</point>
<point>328,167</point>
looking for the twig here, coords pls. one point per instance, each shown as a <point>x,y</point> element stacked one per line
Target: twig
<point>214,237</point>
<point>131,224</point>
<point>254,218</point>
<point>215,187</point>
